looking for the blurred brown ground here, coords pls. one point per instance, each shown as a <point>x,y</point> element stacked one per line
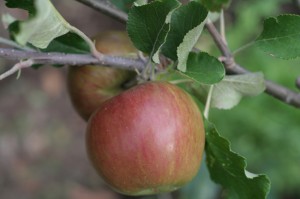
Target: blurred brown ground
<point>42,152</point>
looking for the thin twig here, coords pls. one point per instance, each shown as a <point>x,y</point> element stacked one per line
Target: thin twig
<point>72,59</point>
<point>17,67</point>
<point>218,39</point>
<point>240,49</point>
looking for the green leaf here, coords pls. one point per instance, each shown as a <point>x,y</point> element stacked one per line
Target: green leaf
<point>146,25</point>
<point>203,68</point>
<point>68,43</point>
<point>228,169</point>
<point>186,26</point>
<point>281,37</point>
<point>43,25</point>
<point>229,92</point>
<point>123,5</point>
<point>215,5</point>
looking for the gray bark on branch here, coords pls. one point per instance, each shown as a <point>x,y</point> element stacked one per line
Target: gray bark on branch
<point>73,59</point>
<point>34,57</point>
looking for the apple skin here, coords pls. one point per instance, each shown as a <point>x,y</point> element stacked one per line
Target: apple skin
<point>89,86</point>
<point>147,140</point>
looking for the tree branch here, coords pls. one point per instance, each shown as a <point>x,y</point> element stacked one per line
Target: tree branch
<point>69,59</point>
<point>107,8</point>
<point>282,93</point>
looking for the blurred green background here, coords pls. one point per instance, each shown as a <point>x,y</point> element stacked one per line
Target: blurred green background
<point>42,153</point>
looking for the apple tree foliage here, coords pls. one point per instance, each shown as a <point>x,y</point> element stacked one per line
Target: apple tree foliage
<point>172,29</point>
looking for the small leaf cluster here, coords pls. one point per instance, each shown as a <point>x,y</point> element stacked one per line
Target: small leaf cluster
<point>170,29</point>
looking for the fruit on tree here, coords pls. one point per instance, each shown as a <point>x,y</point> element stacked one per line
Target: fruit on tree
<point>89,86</point>
<point>146,140</point>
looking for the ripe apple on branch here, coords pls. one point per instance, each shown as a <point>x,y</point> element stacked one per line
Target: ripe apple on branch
<point>145,140</point>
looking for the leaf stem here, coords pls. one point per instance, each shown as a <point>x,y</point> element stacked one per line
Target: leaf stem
<point>242,48</point>
<point>17,67</point>
<point>91,44</point>
<point>222,26</point>
<point>208,102</point>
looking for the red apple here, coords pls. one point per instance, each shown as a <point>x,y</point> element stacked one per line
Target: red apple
<point>147,140</point>
<point>89,86</point>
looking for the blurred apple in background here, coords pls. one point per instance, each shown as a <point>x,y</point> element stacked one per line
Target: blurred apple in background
<point>89,86</point>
